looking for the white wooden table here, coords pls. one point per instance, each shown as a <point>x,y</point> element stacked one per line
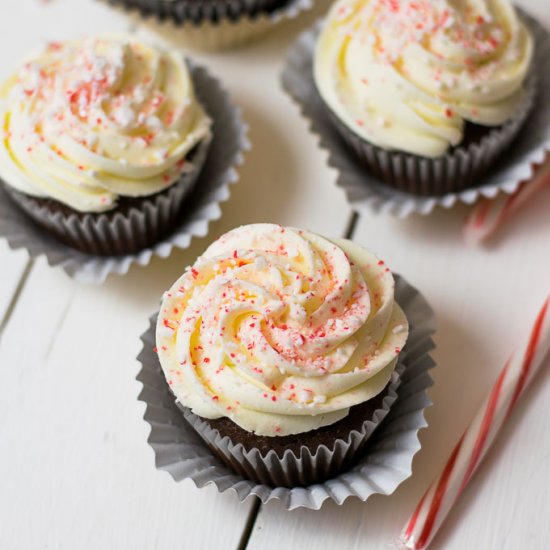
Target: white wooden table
<point>76,471</point>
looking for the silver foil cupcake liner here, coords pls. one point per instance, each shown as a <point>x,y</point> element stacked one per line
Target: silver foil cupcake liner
<point>115,233</point>
<point>201,205</point>
<point>385,462</point>
<point>366,190</point>
<point>216,24</point>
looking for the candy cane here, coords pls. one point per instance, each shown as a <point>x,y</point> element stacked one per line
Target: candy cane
<point>489,215</point>
<point>479,436</point>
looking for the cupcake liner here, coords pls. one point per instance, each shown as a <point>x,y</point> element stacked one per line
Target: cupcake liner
<point>365,191</point>
<point>213,25</point>
<point>201,206</point>
<point>292,470</point>
<point>119,233</point>
<point>387,458</point>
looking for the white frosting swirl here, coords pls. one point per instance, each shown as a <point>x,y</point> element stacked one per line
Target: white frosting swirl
<point>88,120</point>
<point>280,330</point>
<point>406,74</point>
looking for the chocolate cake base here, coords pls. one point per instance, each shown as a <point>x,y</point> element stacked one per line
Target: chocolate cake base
<point>326,435</point>
<point>461,167</point>
<point>296,460</point>
<point>136,223</point>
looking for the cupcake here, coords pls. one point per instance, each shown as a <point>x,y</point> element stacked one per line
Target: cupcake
<point>102,140</point>
<point>427,94</point>
<point>215,24</point>
<point>280,345</point>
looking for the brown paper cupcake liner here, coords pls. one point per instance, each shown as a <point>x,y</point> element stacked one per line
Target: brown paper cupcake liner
<point>214,29</point>
<point>200,206</point>
<point>112,233</point>
<point>366,191</point>
<point>384,463</point>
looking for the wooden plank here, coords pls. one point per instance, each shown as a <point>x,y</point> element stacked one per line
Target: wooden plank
<point>13,266</point>
<point>72,429</point>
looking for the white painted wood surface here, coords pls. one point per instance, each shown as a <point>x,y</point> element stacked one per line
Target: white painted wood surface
<point>75,467</point>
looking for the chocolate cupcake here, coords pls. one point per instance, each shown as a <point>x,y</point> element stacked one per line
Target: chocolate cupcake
<point>427,94</point>
<point>103,138</point>
<point>281,347</point>
<point>215,24</point>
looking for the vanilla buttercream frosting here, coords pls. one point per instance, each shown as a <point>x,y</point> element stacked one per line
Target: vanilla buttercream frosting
<point>280,330</point>
<point>87,121</point>
<point>407,74</point>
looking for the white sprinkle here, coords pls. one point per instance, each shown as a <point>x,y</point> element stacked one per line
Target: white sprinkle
<point>320,399</point>
<point>153,122</point>
<point>260,262</point>
<point>398,328</point>
<point>165,332</point>
<point>124,116</point>
<point>292,251</point>
<point>161,153</point>
<point>304,396</point>
<point>449,22</point>
<point>139,94</point>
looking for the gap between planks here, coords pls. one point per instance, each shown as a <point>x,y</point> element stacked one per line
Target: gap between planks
<point>13,302</point>
<point>349,232</point>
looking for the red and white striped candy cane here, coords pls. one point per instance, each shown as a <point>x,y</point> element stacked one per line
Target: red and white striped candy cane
<point>479,436</point>
<point>491,214</point>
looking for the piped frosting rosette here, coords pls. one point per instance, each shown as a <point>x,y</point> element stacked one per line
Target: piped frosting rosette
<point>103,139</point>
<point>427,94</point>
<point>280,330</point>
<point>87,121</point>
<point>405,74</point>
